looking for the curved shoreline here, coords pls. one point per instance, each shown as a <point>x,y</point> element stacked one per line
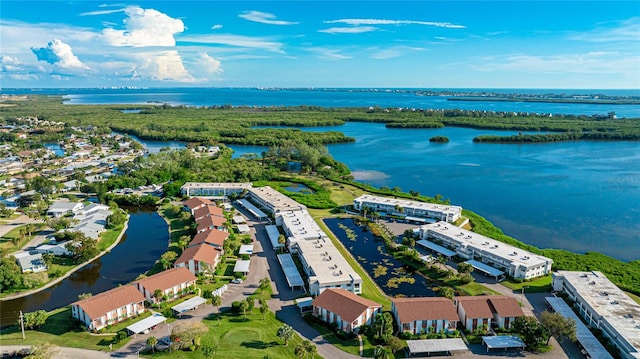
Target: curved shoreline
<point>71,271</point>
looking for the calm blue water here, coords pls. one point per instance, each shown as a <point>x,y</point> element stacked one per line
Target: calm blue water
<point>332,98</point>
<point>581,196</point>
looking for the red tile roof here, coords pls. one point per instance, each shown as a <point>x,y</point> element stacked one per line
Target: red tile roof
<point>475,307</point>
<point>412,309</point>
<point>195,202</point>
<point>105,302</point>
<point>199,253</point>
<point>212,221</point>
<point>167,279</point>
<point>213,237</point>
<point>506,307</point>
<point>346,304</point>
<point>210,210</point>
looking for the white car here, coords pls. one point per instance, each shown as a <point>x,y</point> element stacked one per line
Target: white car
<point>236,281</point>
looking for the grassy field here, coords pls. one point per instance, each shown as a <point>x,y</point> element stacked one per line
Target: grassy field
<point>6,241</point>
<point>634,297</point>
<point>538,285</point>
<point>62,330</point>
<point>109,237</point>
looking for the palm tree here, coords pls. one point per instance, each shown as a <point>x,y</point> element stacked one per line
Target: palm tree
<point>285,333</point>
<point>152,341</point>
<point>442,260</point>
<point>244,306</point>
<point>300,351</point>
<point>264,308</point>
<point>380,353</point>
<point>311,348</point>
<point>216,301</point>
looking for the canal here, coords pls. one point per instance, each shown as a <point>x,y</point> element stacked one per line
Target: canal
<point>391,275</point>
<point>143,243</point>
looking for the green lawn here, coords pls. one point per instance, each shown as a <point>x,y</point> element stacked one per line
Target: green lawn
<point>538,285</point>
<point>634,297</point>
<point>236,337</point>
<point>62,330</point>
<point>347,345</point>
<point>5,241</point>
<point>109,237</point>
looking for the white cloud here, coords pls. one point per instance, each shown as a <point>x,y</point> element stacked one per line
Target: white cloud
<point>236,40</point>
<point>626,30</point>
<point>349,30</point>
<point>144,27</point>
<point>326,53</point>
<point>208,64</point>
<point>585,63</point>
<point>393,52</point>
<point>216,27</point>
<point>59,54</point>
<point>100,12</point>
<point>9,63</point>
<point>358,22</point>
<point>162,66</point>
<point>264,18</point>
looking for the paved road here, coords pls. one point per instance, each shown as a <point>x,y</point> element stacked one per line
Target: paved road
<point>70,353</point>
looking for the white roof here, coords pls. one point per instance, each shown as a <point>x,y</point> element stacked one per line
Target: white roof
<point>246,249</point>
<point>146,323</point>
<point>503,342</point>
<point>436,247</point>
<point>273,234</point>
<point>301,225</point>
<point>327,264</point>
<point>436,345</point>
<point>189,304</point>
<point>485,268</point>
<point>238,219</point>
<point>276,200</point>
<point>243,228</point>
<point>242,266</point>
<point>60,206</point>
<point>480,243</point>
<point>405,203</point>
<point>251,208</point>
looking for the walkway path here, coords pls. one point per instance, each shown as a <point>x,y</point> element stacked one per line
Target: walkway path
<point>68,353</point>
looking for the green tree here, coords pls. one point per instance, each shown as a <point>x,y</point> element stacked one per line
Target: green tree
<point>117,218</point>
<point>300,351</point>
<point>82,296</point>
<point>34,320</point>
<point>395,344</point>
<point>183,242</point>
<point>82,248</point>
<point>157,294</point>
<point>532,333</point>
<point>264,308</point>
<point>152,342</point>
<point>558,326</point>
<point>186,334</point>
<point>379,352</point>
<point>167,258</point>
<point>265,283</point>
<point>465,268</point>
<point>216,301</point>
<point>311,348</point>
<point>244,307</point>
<point>441,260</point>
<point>446,292</point>
<point>285,333</point>
<point>382,326</point>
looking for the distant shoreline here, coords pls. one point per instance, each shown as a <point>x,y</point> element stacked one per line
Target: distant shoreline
<point>548,100</point>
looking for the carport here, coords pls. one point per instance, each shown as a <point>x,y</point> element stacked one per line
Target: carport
<point>436,248</point>
<point>146,324</point>
<point>430,346</point>
<point>190,304</point>
<point>486,269</point>
<point>503,342</point>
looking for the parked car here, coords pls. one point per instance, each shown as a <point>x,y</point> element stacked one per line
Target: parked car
<point>236,281</point>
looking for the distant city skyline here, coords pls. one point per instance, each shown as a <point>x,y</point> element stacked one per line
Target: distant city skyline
<point>413,44</point>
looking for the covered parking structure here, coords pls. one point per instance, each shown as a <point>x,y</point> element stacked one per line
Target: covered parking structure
<point>503,342</point>
<point>255,211</point>
<point>294,279</point>
<point>242,266</point>
<point>431,346</point>
<point>585,337</point>
<point>273,234</point>
<point>145,324</point>
<point>187,305</point>
<point>436,248</point>
<point>486,269</point>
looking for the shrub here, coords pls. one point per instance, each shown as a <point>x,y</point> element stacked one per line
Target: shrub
<point>235,307</point>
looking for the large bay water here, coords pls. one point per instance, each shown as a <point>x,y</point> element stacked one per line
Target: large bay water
<point>581,195</point>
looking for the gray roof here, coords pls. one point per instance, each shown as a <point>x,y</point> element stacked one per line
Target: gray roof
<point>436,345</point>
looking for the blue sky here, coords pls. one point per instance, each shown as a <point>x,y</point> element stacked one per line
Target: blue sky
<point>427,44</point>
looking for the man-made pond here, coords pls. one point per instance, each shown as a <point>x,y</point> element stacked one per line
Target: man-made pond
<point>298,188</point>
<point>143,243</point>
<point>391,275</point>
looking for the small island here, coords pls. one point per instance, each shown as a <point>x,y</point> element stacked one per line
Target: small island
<point>439,139</point>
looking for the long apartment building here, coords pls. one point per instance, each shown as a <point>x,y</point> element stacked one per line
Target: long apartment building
<point>212,189</point>
<point>514,261</point>
<point>604,306</point>
<point>408,208</point>
<point>273,201</point>
<point>321,260</point>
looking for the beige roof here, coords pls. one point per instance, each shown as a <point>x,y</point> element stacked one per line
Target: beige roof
<point>199,253</point>
<point>100,304</point>
<point>346,304</point>
<point>412,309</point>
<point>167,279</point>
<point>213,237</point>
<point>506,306</point>
<point>476,307</point>
<point>196,202</point>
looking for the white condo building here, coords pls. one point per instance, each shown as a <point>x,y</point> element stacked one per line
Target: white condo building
<point>605,306</point>
<point>409,208</point>
<point>273,201</point>
<point>516,262</point>
<point>211,189</point>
